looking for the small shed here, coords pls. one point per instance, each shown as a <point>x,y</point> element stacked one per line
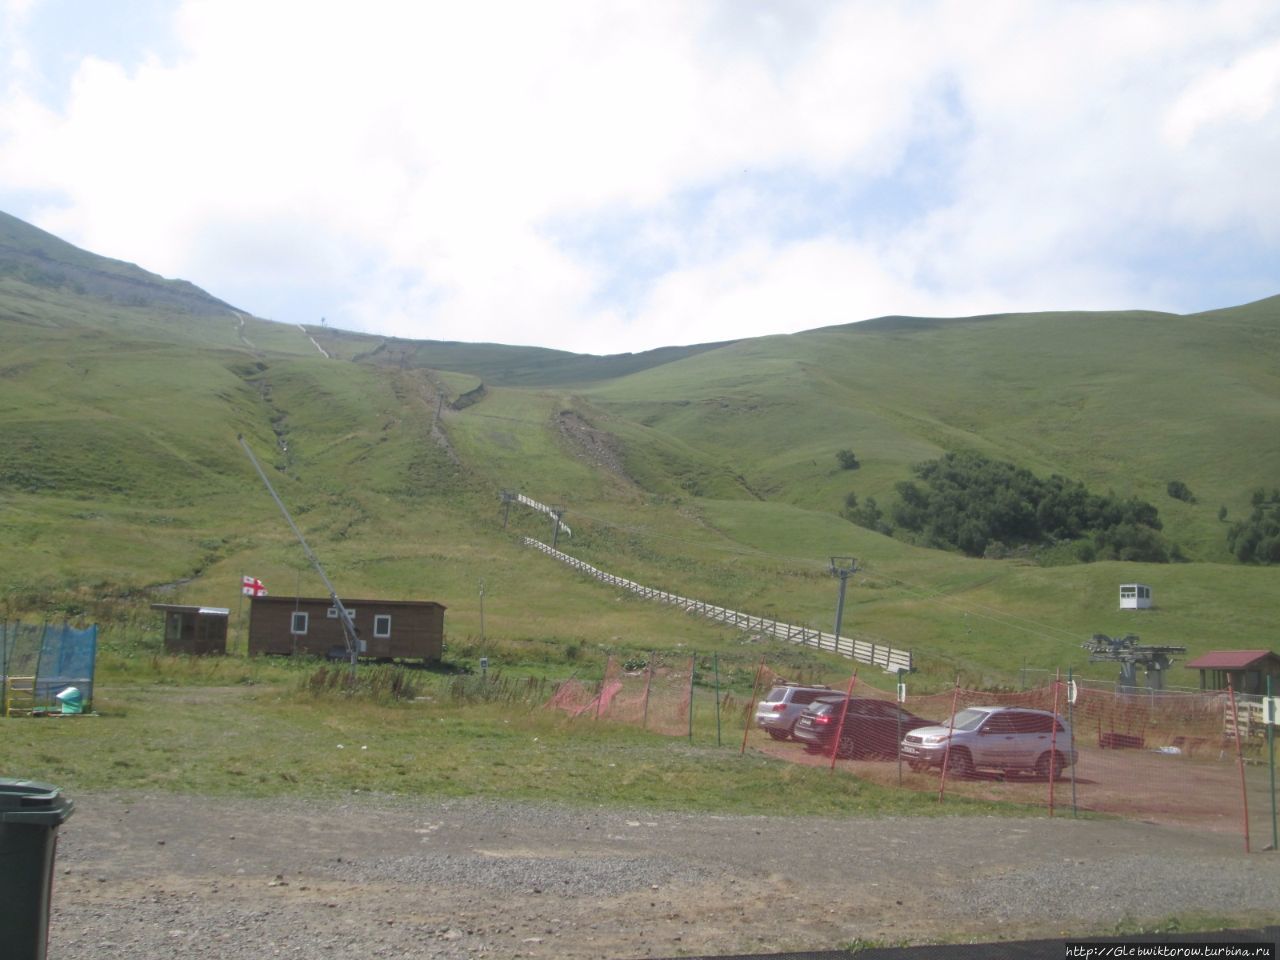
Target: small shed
<point>1135,596</point>
<point>310,626</point>
<point>1246,669</point>
<point>197,631</point>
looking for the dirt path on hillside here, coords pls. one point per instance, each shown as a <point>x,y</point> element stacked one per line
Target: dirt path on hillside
<point>164,876</point>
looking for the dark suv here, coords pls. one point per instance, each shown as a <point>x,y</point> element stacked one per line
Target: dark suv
<point>872,728</point>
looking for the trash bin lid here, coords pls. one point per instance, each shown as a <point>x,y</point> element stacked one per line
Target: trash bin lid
<point>27,801</point>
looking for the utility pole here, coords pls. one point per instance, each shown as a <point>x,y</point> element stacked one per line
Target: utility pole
<point>842,567</point>
<point>482,611</point>
<point>556,514</point>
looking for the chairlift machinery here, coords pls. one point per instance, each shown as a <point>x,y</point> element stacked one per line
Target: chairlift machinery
<point>1155,659</point>
<point>354,644</point>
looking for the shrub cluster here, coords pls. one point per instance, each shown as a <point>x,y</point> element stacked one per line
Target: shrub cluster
<point>983,507</point>
<point>1257,540</point>
<point>381,684</point>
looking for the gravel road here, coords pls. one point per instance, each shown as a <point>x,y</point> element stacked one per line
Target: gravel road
<point>152,877</point>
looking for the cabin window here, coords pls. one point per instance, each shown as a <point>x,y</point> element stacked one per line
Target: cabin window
<point>1128,592</point>
<point>298,625</point>
<point>174,626</point>
<point>382,626</point>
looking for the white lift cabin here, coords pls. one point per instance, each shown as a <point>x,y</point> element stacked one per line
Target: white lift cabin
<point>1135,596</point>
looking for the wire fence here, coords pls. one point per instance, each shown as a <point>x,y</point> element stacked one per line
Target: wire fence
<point>37,661</point>
<point>1194,760</point>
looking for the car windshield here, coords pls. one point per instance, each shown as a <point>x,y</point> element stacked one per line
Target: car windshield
<point>968,719</point>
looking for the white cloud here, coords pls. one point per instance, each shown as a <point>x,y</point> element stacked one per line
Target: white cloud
<point>1244,92</point>
<point>416,165</point>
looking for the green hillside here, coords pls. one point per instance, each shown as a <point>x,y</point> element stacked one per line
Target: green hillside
<point>708,470</point>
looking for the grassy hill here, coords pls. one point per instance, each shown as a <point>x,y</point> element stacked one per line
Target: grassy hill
<point>710,470</point>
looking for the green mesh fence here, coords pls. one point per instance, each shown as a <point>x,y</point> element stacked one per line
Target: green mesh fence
<point>39,661</point>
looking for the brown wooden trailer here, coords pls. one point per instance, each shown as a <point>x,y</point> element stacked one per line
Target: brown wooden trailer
<point>197,631</point>
<point>310,626</point>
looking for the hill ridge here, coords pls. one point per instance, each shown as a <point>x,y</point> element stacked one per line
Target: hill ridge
<point>42,259</point>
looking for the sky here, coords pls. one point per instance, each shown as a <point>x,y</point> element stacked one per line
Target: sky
<point>608,176</point>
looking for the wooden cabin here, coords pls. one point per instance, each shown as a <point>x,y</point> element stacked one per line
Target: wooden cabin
<point>310,626</point>
<point>195,631</point>
<point>1246,669</point>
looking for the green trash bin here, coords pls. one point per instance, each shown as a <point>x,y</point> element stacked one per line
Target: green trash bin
<point>30,814</point>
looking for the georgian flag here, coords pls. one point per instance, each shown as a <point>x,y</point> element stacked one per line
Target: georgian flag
<point>252,587</point>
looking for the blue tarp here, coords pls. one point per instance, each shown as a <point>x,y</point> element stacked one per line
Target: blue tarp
<point>57,656</point>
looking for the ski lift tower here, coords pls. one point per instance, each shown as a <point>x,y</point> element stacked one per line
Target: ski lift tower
<point>354,644</point>
<point>1130,654</point>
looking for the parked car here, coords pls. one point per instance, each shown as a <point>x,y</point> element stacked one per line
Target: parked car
<point>778,712</point>
<point>872,728</point>
<point>1011,739</point>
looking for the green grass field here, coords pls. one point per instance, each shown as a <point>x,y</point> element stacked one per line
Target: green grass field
<point>230,726</point>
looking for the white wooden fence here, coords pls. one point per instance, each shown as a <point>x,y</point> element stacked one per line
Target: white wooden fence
<point>543,508</point>
<point>864,651</point>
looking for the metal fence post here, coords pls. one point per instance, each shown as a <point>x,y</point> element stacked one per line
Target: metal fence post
<point>755,691</point>
<point>1244,793</point>
<point>1071,702</point>
<point>716,661</point>
<point>648,682</point>
<point>1271,751</point>
<point>844,711</point>
<point>693,666</point>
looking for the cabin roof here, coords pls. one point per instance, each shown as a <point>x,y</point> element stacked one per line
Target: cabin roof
<point>1230,659</point>
<point>346,602</point>
<point>187,608</point>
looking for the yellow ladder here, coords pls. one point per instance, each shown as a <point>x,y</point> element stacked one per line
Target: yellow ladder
<point>20,696</point>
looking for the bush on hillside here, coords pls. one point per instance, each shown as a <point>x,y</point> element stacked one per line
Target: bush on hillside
<point>968,502</point>
<point>1257,540</point>
<point>848,460</point>
<point>867,514</point>
<point>1180,491</point>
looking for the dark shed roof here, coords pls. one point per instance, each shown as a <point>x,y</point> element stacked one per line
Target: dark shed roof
<point>1231,660</point>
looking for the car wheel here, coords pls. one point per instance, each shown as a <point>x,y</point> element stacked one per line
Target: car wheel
<point>848,748</point>
<point>1049,762</point>
<point>778,734</point>
<point>960,763</point>
<point>917,765</point>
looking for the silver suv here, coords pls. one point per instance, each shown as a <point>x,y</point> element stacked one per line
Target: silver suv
<point>1012,739</point>
<point>778,712</point>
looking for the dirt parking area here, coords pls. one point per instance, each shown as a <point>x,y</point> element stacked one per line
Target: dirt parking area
<point>1200,793</point>
<point>149,877</point>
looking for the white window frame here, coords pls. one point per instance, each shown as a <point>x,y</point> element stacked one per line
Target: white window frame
<point>381,626</point>
<point>299,616</point>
